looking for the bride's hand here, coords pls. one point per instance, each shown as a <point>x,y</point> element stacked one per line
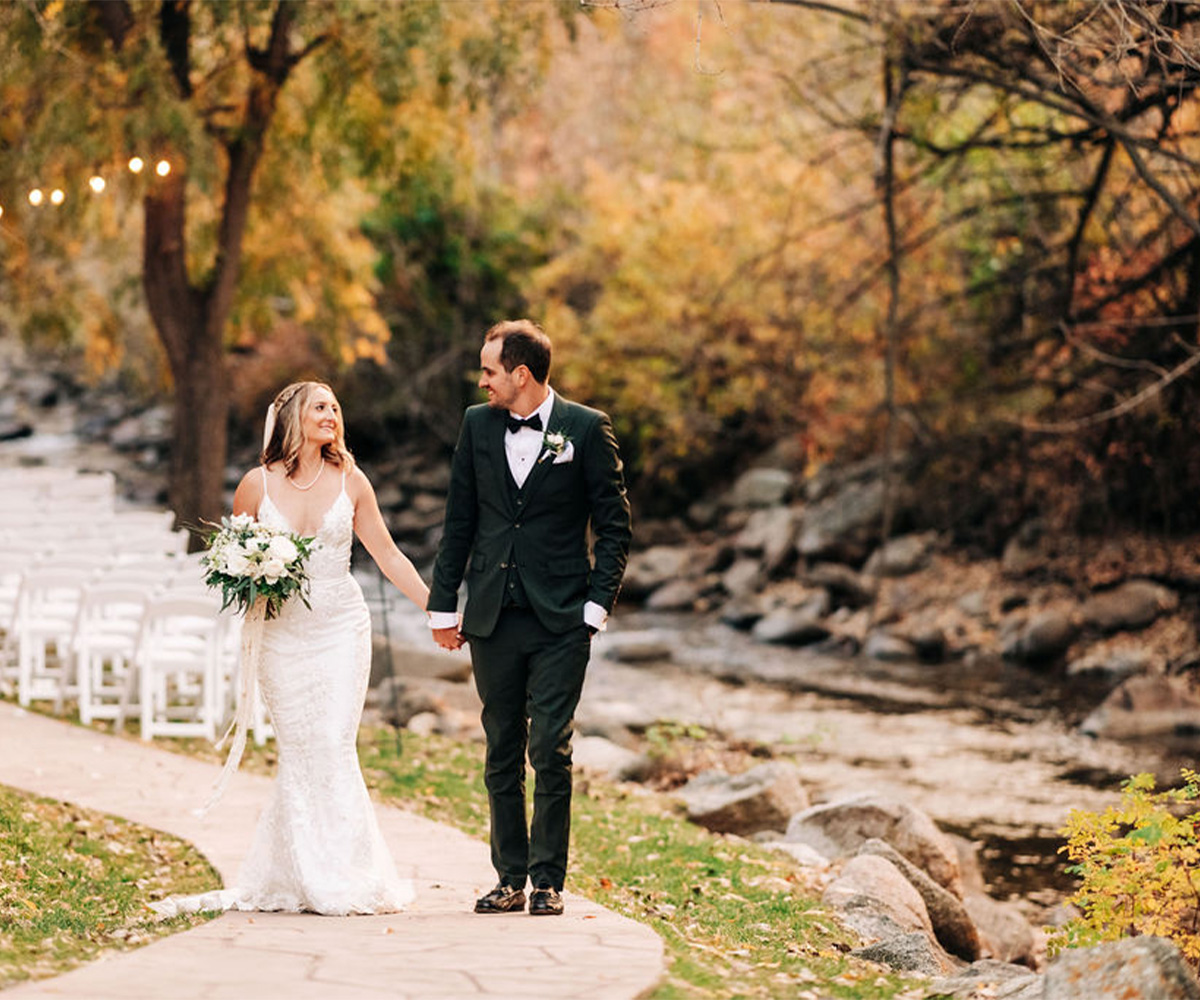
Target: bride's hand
<point>448,638</point>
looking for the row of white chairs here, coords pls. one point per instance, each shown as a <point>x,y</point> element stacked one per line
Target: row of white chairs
<point>106,609</point>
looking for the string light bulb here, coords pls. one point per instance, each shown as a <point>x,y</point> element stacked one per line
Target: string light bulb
<point>137,164</point>
<point>57,197</point>
<point>162,168</point>
<point>1,211</point>
<point>96,183</point>
<point>36,197</point>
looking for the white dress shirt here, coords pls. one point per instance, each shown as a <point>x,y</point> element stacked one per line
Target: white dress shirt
<point>522,448</point>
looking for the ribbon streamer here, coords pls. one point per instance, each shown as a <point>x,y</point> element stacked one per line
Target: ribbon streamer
<point>248,667</point>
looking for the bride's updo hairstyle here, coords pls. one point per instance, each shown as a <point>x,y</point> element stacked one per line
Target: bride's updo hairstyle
<point>287,434</point>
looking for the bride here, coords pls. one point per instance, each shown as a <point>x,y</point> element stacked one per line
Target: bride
<point>318,846</point>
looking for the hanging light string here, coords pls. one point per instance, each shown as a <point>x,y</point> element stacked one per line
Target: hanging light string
<point>39,197</point>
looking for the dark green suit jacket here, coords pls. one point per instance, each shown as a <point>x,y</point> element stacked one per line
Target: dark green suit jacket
<point>545,532</point>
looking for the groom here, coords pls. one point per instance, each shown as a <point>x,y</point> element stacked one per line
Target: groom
<point>530,472</point>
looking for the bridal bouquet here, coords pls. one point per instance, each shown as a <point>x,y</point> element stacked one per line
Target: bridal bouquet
<point>249,560</point>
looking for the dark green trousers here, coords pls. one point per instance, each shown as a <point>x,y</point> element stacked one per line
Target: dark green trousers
<point>529,680</point>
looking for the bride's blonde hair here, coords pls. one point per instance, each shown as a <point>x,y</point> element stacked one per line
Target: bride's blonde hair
<point>287,435</point>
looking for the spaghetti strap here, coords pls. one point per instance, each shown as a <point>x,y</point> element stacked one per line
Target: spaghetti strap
<point>266,492</point>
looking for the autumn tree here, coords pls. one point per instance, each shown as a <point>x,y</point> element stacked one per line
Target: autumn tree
<point>277,120</point>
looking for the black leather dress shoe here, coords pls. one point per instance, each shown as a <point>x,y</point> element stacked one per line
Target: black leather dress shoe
<point>545,902</point>
<point>502,899</point>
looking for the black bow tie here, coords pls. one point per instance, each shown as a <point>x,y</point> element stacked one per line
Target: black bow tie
<point>534,423</point>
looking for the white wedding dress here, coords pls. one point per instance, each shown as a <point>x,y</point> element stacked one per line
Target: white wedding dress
<point>317,847</point>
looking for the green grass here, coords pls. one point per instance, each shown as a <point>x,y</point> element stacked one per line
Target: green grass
<point>74,884</point>
<point>737,920</point>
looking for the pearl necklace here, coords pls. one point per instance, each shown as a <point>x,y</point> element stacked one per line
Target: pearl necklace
<point>314,478</point>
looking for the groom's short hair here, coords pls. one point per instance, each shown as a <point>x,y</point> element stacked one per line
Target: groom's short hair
<point>523,342</point>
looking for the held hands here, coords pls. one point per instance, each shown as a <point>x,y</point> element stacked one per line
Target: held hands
<point>448,638</point>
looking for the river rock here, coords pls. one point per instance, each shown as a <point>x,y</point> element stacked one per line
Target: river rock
<point>1025,552</point>
<point>1042,638</point>
<point>975,604</point>
<point>888,648</point>
<point>901,556</point>
<point>802,854</point>
<point>969,868</point>
<point>398,700</point>
<point>951,923</point>
<point>595,753</point>
<point>846,587</point>
<point>876,901</point>
<point>1142,968</point>
<point>771,533</point>
<point>12,430</point>
<point>841,526</point>
<point>1115,664</point>
<point>760,488</point>
<point>1145,707</point>
<point>840,828</point>
<point>743,577</point>
<point>991,979</point>
<point>742,612</point>
<point>912,952</point>
<point>640,651</point>
<point>763,798</point>
<point>677,595</point>
<point>1004,933</point>
<point>791,626</point>
<point>653,567</point>
<point>1132,605</point>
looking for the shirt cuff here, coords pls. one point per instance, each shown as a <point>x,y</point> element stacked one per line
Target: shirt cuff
<point>443,619</point>
<point>595,615</point>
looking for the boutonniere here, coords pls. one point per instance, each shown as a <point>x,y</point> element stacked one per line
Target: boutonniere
<point>554,444</point>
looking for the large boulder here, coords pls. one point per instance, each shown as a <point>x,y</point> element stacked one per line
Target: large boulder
<point>760,488</point>
<point>991,979</point>
<point>875,901</point>
<point>889,648</point>
<point>1044,637</point>
<point>650,568</point>
<point>951,923</point>
<point>1132,605</point>
<point>1141,968</point>
<point>763,798</point>
<point>840,828</point>
<point>1145,707</point>
<point>743,577</point>
<point>841,526</point>
<point>770,533</point>
<point>912,952</point>
<point>678,595</point>
<point>901,556</point>
<point>1004,933</point>
<point>846,586</point>
<point>793,626</point>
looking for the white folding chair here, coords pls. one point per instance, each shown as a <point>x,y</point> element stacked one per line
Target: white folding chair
<point>42,627</point>
<point>176,664</point>
<point>105,640</point>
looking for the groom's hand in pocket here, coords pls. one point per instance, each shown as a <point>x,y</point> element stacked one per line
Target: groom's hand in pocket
<point>448,638</point>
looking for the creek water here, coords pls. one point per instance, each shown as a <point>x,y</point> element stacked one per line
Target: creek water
<point>989,749</point>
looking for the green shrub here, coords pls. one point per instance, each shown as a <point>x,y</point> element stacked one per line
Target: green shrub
<point>1139,867</point>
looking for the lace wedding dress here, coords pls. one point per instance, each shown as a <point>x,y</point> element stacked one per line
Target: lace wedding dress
<point>318,846</point>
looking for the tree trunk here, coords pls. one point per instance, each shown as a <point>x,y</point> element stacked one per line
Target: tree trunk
<point>199,446</point>
<point>191,331</point>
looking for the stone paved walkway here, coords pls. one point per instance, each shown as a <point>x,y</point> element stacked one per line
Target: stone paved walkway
<point>438,948</point>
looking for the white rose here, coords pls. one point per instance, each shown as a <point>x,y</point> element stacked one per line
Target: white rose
<point>282,548</point>
<point>272,569</point>
<point>235,563</point>
<point>241,521</point>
